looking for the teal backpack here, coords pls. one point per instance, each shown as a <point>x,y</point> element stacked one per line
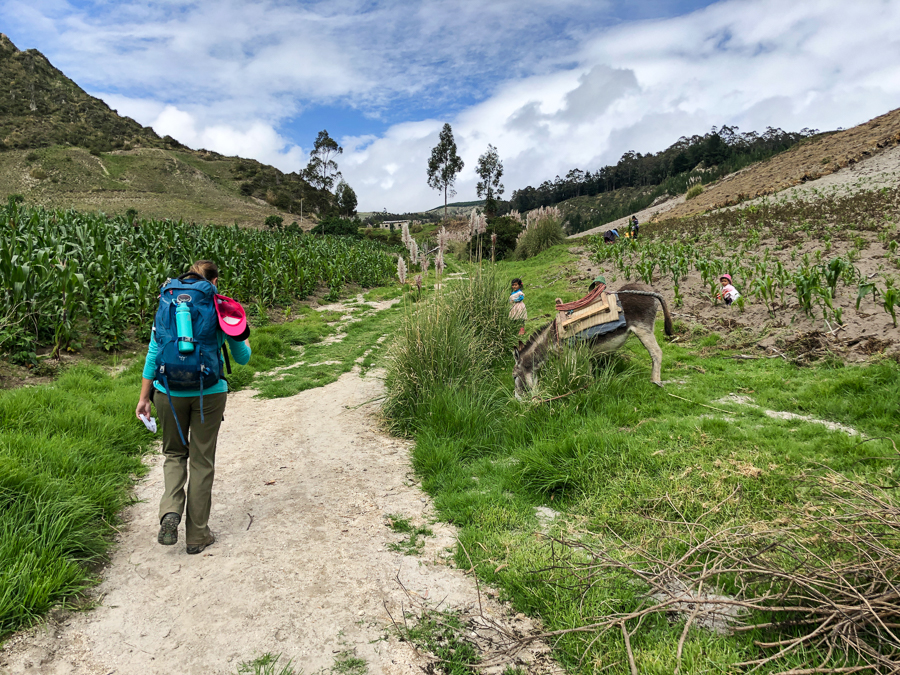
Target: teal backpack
<point>201,367</point>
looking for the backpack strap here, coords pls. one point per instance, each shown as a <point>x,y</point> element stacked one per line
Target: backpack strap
<point>165,382</point>
<point>227,360</point>
<point>184,276</point>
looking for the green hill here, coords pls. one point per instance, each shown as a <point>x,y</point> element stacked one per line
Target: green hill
<point>457,208</point>
<point>61,147</point>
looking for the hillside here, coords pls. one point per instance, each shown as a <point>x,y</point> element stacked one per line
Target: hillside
<point>61,147</point>
<point>806,162</point>
<point>457,208</point>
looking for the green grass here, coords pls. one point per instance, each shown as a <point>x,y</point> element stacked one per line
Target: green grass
<point>158,183</point>
<point>438,633</point>
<point>547,276</point>
<point>414,542</point>
<point>623,459</point>
<point>267,664</point>
<point>280,371</point>
<point>346,662</point>
<point>68,454</point>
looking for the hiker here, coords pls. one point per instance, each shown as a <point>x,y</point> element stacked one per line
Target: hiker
<point>517,298</point>
<point>729,293</point>
<point>634,227</point>
<point>610,236</point>
<point>187,384</point>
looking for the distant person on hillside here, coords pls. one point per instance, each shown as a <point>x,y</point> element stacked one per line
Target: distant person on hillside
<point>518,312</point>
<point>190,413</point>
<point>634,227</point>
<point>729,293</point>
<point>610,236</point>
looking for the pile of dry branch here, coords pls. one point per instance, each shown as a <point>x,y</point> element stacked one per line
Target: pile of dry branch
<point>824,584</point>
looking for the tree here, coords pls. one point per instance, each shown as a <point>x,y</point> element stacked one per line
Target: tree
<point>490,169</point>
<point>322,170</point>
<point>274,222</point>
<point>346,199</point>
<point>337,226</point>
<point>444,165</point>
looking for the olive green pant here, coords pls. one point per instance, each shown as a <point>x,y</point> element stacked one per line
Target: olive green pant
<point>199,453</point>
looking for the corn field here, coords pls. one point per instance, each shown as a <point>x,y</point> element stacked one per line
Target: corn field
<point>64,272</point>
<point>762,247</point>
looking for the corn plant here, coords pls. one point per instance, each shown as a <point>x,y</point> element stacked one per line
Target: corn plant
<point>863,290</point>
<point>806,280</point>
<point>837,269</point>
<point>62,271</point>
<point>891,298</point>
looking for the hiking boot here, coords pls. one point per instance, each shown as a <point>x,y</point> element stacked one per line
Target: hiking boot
<point>194,549</point>
<point>168,529</point>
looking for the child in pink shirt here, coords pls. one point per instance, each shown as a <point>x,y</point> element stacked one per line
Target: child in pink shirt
<point>729,293</point>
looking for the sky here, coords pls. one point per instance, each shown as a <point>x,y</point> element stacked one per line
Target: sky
<point>552,84</point>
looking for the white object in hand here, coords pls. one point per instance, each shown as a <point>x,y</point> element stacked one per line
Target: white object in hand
<point>149,423</point>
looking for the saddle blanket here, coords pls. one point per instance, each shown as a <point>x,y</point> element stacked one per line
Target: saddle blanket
<point>602,316</point>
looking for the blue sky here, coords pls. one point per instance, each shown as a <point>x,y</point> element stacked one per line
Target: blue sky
<point>553,84</point>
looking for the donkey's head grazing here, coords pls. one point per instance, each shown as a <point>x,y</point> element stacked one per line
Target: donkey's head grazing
<point>529,358</point>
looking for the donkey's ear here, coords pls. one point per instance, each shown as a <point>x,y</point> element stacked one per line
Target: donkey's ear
<point>516,354</point>
<point>521,345</point>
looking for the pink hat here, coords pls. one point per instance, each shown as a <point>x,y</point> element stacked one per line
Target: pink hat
<point>232,318</point>
<point>725,276</point>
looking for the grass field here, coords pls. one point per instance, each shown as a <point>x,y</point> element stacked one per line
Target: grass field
<point>158,183</point>
<point>623,461</point>
<point>620,462</point>
<point>68,455</point>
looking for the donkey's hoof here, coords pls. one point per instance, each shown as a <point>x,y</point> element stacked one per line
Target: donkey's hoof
<point>658,383</point>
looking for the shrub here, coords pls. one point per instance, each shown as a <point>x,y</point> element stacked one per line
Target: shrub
<point>38,173</point>
<point>543,231</point>
<point>274,222</point>
<point>457,248</point>
<point>452,341</point>
<point>694,191</point>
<point>337,226</point>
<point>507,230</point>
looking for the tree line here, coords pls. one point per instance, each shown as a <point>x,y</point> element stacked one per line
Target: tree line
<point>720,151</point>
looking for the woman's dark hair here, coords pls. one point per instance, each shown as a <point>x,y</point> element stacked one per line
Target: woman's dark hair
<point>206,269</point>
<point>517,281</point>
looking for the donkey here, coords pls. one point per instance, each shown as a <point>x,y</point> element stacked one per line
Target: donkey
<point>638,308</point>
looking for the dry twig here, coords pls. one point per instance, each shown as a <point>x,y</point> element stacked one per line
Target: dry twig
<point>825,586</point>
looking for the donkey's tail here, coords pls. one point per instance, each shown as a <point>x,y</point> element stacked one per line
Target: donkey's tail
<point>667,324</point>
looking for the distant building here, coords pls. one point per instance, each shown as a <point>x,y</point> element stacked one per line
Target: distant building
<point>386,224</point>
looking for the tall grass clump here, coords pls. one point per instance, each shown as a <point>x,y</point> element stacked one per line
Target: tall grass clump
<point>68,452</point>
<point>454,341</point>
<point>544,229</point>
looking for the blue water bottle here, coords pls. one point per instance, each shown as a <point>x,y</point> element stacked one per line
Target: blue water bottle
<point>184,328</point>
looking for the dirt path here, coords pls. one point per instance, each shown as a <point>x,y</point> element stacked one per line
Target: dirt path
<point>310,576</point>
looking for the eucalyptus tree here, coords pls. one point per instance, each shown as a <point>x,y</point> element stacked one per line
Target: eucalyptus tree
<point>444,165</point>
<point>490,170</point>
<point>322,170</point>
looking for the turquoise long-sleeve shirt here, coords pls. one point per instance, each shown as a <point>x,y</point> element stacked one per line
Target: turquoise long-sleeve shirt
<point>239,351</point>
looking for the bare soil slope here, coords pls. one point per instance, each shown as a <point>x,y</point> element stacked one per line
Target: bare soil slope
<point>806,162</point>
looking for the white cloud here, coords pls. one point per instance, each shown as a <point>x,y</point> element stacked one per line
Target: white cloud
<point>257,140</point>
<point>553,84</point>
<point>639,86</point>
